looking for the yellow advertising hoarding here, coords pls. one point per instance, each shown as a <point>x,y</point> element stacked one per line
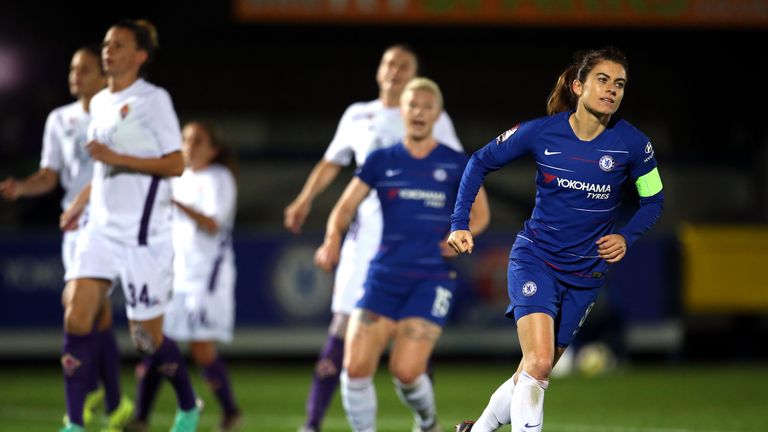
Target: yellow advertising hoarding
<point>609,13</point>
<point>725,269</point>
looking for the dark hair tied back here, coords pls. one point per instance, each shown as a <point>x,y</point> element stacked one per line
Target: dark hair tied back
<point>562,98</point>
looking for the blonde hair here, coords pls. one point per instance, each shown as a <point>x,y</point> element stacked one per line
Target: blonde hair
<point>421,83</point>
<point>151,32</point>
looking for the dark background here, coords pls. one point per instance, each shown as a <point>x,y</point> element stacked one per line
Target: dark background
<point>278,90</point>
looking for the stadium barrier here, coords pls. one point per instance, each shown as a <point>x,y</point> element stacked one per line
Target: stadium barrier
<point>283,300</point>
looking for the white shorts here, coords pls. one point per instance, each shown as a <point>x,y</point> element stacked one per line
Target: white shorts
<point>68,244</point>
<point>359,248</point>
<point>203,309</point>
<point>145,272</point>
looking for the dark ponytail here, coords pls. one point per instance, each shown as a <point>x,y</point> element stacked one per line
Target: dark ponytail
<point>562,98</point>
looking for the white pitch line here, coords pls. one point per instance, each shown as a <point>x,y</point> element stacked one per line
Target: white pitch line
<point>43,415</point>
<point>550,427</point>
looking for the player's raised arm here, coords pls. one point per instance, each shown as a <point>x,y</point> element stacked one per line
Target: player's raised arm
<point>318,180</point>
<point>327,254</point>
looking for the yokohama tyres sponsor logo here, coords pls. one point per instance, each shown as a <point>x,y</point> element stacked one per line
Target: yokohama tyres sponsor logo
<point>431,198</point>
<point>584,186</point>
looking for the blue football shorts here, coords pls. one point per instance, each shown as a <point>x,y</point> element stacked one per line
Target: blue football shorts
<point>407,294</point>
<point>534,288</point>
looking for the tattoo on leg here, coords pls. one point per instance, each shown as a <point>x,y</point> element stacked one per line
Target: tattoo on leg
<point>142,340</point>
<point>368,317</point>
<point>421,331</point>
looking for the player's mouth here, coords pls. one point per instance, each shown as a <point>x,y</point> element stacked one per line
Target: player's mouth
<point>418,123</point>
<point>608,100</point>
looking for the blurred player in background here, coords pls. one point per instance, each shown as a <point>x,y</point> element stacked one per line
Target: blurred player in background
<point>585,157</point>
<point>409,287</point>
<point>135,142</point>
<point>364,127</point>
<point>65,160</point>
<point>202,309</point>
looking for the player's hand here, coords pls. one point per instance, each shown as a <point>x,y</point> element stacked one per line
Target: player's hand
<point>68,219</point>
<point>446,251</point>
<point>9,189</point>
<point>461,241</point>
<point>102,153</point>
<point>327,256</point>
<point>295,214</point>
<point>612,247</point>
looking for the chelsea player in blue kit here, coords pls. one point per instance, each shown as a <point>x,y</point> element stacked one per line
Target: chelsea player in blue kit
<point>585,157</point>
<point>410,286</point>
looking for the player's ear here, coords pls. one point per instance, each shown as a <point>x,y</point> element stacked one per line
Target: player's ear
<point>142,56</point>
<point>576,87</point>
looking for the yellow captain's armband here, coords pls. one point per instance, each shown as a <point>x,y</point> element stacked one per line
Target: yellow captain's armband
<point>649,184</point>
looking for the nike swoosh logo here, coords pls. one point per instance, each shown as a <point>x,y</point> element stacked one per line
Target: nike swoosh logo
<point>392,173</point>
<point>532,426</point>
<point>550,153</point>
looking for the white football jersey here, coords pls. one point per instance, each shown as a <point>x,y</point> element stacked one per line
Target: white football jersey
<point>138,121</point>
<point>368,126</point>
<point>64,150</point>
<point>211,191</point>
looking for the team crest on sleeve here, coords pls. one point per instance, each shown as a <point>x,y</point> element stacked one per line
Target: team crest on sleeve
<point>606,163</point>
<point>529,288</point>
<point>505,136</point>
<point>439,174</point>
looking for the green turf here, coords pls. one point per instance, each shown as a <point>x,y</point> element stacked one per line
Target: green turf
<point>640,399</point>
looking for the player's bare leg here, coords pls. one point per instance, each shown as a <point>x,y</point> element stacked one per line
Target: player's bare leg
<point>367,336</point>
<point>414,342</point>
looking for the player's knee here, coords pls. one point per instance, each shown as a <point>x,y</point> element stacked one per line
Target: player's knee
<point>356,370</point>
<point>538,366</point>
<point>78,320</point>
<point>406,373</point>
<point>203,357</point>
<point>407,377</point>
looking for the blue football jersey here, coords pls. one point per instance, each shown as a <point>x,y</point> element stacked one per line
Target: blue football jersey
<point>417,198</point>
<point>578,185</point>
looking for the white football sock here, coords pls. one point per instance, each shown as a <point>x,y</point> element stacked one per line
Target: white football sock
<point>527,408</point>
<point>358,395</point>
<point>496,414</point>
<point>420,398</point>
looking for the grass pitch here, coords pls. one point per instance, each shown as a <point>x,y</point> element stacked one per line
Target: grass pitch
<point>717,398</point>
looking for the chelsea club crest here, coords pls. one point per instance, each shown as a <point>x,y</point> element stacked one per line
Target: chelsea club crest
<point>440,174</point>
<point>529,288</point>
<point>606,163</point>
